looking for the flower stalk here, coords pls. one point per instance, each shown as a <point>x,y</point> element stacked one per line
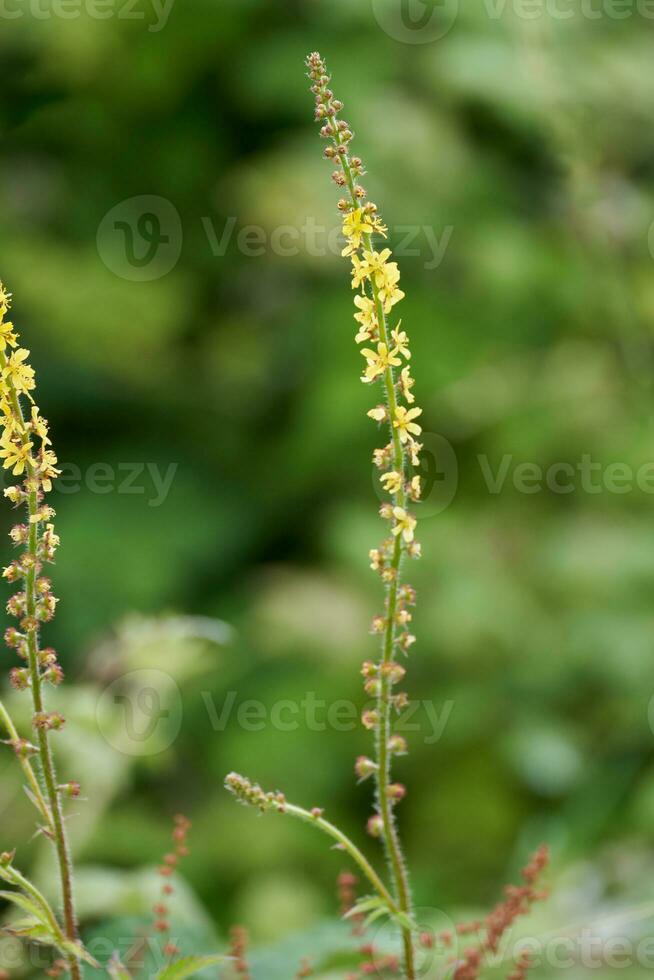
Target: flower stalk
<point>250,794</point>
<point>376,279</point>
<point>35,604</point>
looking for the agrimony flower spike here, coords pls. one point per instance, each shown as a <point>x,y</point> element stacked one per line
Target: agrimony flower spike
<point>26,450</point>
<point>375,279</point>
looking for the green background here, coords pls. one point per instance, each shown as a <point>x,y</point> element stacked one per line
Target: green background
<point>527,142</point>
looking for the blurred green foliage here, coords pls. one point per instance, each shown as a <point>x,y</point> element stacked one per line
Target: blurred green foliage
<point>531,140</point>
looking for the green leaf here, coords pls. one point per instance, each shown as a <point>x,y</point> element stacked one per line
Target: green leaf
<point>26,904</point>
<point>366,904</point>
<point>188,965</point>
<point>32,929</point>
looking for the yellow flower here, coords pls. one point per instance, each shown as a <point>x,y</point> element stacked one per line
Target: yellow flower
<point>13,453</point>
<point>378,361</point>
<point>405,524</point>
<point>407,383</point>
<point>20,373</point>
<point>392,481</point>
<point>40,426</point>
<point>7,335</point>
<point>415,449</point>
<point>356,224</point>
<point>366,317</point>
<point>378,414</point>
<point>47,469</point>
<point>5,300</point>
<point>360,271</point>
<point>401,341</point>
<point>416,488</point>
<point>390,296</point>
<point>404,423</point>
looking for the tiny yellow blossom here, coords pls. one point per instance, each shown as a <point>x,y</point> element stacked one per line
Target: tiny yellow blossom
<point>378,361</point>
<point>356,224</point>
<point>20,373</point>
<point>415,448</point>
<point>40,426</point>
<point>416,488</point>
<point>5,300</point>
<point>14,453</point>
<point>7,335</point>
<point>360,271</point>
<point>366,317</point>
<point>406,384</point>
<point>404,423</point>
<point>401,342</point>
<point>46,468</point>
<point>378,414</point>
<point>405,524</point>
<point>392,481</point>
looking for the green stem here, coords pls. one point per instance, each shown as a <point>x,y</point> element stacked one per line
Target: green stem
<point>45,751</point>
<point>345,843</point>
<point>28,772</point>
<point>392,842</point>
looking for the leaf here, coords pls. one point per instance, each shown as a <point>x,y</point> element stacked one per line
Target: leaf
<point>366,904</point>
<point>32,929</point>
<point>26,904</point>
<point>188,965</point>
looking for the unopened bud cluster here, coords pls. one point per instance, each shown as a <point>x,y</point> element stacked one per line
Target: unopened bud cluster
<point>251,794</point>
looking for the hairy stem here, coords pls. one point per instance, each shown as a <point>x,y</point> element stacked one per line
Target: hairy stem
<point>346,844</point>
<point>28,772</point>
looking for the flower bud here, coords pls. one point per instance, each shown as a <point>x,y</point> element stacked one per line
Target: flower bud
<point>19,678</point>
<point>12,637</point>
<point>397,745</point>
<point>375,826</point>
<point>370,720</point>
<point>16,604</point>
<point>49,721</point>
<point>394,672</point>
<point>12,572</point>
<point>19,533</point>
<point>71,789</point>
<point>396,792</point>
<point>22,747</point>
<point>54,675</point>
<point>378,624</point>
<point>364,768</point>
<point>369,669</point>
<point>6,857</point>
